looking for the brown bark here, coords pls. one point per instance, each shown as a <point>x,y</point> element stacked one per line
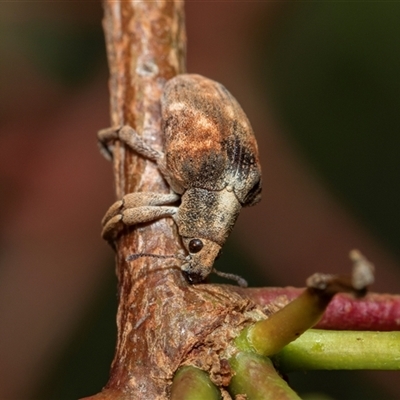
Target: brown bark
<point>163,321</point>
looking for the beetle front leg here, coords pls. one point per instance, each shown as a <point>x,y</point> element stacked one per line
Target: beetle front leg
<point>136,208</point>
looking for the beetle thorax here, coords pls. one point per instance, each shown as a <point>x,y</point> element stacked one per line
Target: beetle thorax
<point>207,214</point>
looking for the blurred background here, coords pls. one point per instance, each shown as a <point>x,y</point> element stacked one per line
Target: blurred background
<point>320,83</point>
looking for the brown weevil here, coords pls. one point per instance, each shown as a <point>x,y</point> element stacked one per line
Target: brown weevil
<point>210,160</point>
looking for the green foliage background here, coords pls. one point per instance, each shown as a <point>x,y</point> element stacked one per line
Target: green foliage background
<point>334,69</point>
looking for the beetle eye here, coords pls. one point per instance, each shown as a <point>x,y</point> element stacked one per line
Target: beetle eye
<point>195,245</point>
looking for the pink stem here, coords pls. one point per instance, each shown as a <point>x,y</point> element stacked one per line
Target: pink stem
<point>374,312</point>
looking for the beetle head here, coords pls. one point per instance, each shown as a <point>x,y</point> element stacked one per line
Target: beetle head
<point>199,263</point>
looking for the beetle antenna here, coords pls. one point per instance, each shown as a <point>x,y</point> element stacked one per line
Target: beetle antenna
<point>134,257</point>
<point>239,280</point>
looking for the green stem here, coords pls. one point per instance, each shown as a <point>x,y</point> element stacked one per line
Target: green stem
<point>321,349</point>
<point>192,383</point>
<point>268,337</point>
<point>256,378</point>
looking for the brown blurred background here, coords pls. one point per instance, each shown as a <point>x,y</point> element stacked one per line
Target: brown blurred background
<point>320,84</point>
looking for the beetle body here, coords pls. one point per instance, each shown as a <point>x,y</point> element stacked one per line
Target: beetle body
<point>210,160</point>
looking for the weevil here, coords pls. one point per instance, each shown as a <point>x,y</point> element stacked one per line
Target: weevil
<point>210,161</point>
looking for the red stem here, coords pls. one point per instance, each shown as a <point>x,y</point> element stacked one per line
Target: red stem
<point>374,312</point>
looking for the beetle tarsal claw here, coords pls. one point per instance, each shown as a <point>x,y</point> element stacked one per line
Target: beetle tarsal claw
<point>106,137</point>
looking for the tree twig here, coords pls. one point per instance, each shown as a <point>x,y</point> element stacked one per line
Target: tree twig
<point>162,321</point>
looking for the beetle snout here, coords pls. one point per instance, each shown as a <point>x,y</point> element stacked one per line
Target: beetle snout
<point>193,278</point>
<point>199,263</point>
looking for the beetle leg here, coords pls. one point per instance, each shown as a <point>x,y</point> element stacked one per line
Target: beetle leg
<point>105,136</point>
<point>136,208</point>
<point>134,216</point>
<point>138,199</point>
<point>130,137</point>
